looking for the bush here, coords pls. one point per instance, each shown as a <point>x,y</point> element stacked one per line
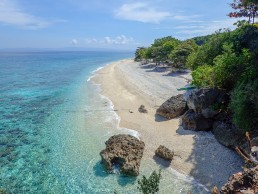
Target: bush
<point>150,185</point>
<point>203,76</point>
<point>244,104</point>
<point>229,67</point>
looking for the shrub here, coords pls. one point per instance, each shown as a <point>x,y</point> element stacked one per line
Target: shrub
<point>150,185</point>
<point>244,104</point>
<point>203,76</point>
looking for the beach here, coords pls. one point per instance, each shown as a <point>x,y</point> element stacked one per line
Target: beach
<point>128,85</point>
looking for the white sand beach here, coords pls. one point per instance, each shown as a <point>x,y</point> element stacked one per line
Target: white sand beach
<point>128,85</point>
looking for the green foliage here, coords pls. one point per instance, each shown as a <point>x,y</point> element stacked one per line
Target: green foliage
<point>203,76</point>
<point>162,41</point>
<point>150,185</point>
<point>229,67</point>
<point>179,55</point>
<point>140,54</point>
<point>200,40</point>
<point>206,53</point>
<point>244,104</point>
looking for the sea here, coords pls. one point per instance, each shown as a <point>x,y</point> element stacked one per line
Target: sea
<point>54,122</point>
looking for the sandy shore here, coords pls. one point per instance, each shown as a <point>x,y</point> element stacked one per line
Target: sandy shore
<point>128,85</point>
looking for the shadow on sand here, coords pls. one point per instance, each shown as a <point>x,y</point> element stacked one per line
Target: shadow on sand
<point>159,69</point>
<point>147,66</point>
<point>161,162</point>
<point>177,73</point>
<point>159,118</point>
<point>211,160</point>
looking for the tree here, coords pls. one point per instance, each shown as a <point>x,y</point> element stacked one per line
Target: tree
<point>206,53</point>
<point>150,185</point>
<point>139,53</point>
<point>245,8</point>
<point>179,55</point>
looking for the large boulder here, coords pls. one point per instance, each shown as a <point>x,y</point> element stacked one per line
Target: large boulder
<point>227,134</point>
<point>173,107</point>
<point>195,121</point>
<point>125,151</point>
<point>242,182</point>
<point>164,153</point>
<point>203,100</point>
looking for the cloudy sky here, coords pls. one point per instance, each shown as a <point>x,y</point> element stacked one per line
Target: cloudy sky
<point>119,24</point>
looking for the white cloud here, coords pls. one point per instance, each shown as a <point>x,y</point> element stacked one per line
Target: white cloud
<point>204,28</point>
<point>11,13</point>
<point>91,40</point>
<point>185,17</point>
<point>118,40</point>
<point>74,42</point>
<point>141,12</point>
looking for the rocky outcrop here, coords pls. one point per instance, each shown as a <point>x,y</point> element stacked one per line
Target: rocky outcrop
<point>173,107</point>
<point>142,109</point>
<point>164,153</point>
<point>125,151</point>
<point>201,99</point>
<point>195,121</point>
<point>226,134</point>
<point>245,182</point>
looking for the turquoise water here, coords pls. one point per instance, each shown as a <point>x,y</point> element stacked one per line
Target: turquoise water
<point>54,122</point>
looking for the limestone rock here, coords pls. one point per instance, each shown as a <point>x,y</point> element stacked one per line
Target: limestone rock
<point>226,134</point>
<point>142,109</point>
<point>209,112</point>
<point>195,121</point>
<point>205,98</point>
<point>173,107</point>
<point>164,153</point>
<point>125,151</point>
<point>242,182</point>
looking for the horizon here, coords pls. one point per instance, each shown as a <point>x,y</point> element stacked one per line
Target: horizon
<point>94,25</point>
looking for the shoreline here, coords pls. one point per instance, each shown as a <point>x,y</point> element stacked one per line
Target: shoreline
<point>128,85</point>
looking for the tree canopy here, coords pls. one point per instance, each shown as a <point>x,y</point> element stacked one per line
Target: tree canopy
<point>245,8</point>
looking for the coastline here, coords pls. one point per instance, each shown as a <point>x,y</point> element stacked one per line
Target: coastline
<point>129,85</point>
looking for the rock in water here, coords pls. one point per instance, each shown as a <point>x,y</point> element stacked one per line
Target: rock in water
<point>142,109</point>
<point>195,121</point>
<point>242,182</point>
<point>173,107</point>
<point>164,153</point>
<point>125,151</point>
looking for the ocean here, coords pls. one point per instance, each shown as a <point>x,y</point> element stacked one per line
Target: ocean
<point>54,122</point>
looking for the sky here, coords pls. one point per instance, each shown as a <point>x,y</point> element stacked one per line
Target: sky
<point>106,24</point>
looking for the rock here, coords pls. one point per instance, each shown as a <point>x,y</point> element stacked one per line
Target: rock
<point>226,134</point>
<point>195,121</point>
<point>242,182</point>
<point>205,98</point>
<point>222,116</point>
<point>254,154</point>
<point>164,153</point>
<point>142,109</point>
<point>125,151</point>
<point>173,107</point>
<point>209,112</point>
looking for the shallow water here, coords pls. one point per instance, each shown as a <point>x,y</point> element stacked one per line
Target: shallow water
<point>54,122</point>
